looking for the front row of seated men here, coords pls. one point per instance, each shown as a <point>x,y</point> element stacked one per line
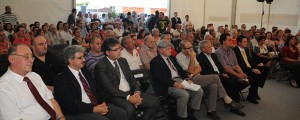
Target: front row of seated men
<point>114,94</point>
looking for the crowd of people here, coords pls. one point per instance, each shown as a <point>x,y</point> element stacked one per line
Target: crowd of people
<point>97,82</point>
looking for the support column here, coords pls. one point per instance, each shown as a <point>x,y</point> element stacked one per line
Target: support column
<point>233,13</point>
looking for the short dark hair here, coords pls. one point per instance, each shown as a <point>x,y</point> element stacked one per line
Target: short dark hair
<point>73,10</point>
<point>223,37</point>
<point>108,44</point>
<point>259,38</point>
<point>240,38</point>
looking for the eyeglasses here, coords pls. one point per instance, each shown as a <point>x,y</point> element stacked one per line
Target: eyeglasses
<point>26,57</point>
<point>117,49</point>
<point>187,48</point>
<point>79,58</point>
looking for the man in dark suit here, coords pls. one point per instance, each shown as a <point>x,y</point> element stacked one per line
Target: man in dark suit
<point>252,69</point>
<point>75,91</point>
<point>210,62</point>
<point>169,75</point>
<point>175,20</point>
<point>115,79</point>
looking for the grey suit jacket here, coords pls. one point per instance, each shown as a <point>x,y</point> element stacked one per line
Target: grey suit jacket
<point>108,80</point>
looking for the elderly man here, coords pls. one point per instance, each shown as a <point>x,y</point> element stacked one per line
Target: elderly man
<point>187,60</point>
<point>45,64</point>
<point>8,17</point>
<point>170,81</point>
<point>54,36</point>
<point>118,30</point>
<point>23,93</point>
<point>148,51</point>
<point>130,53</point>
<point>110,34</point>
<point>93,57</point>
<point>75,91</point>
<point>115,79</point>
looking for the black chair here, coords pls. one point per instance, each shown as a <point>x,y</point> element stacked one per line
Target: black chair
<point>57,51</point>
<point>143,78</point>
<point>287,73</point>
<point>4,63</point>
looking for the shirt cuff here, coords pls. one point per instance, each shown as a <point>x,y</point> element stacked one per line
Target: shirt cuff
<point>127,97</point>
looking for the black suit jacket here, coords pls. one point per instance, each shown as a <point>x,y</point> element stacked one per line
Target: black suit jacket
<point>108,80</point>
<point>241,61</point>
<point>207,67</point>
<point>68,93</point>
<point>162,74</point>
<point>174,22</point>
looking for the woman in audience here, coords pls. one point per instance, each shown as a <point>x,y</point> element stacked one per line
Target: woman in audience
<point>8,31</point>
<point>59,27</point>
<point>140,38</point>
<point>271,44</point>
<point>291,59</point>
<point>78,39</point>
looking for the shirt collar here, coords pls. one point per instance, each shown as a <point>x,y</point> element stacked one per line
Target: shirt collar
<point>16,76</point>
<point>111,61</point>
<point>75,72</point>
<point>241,49</point>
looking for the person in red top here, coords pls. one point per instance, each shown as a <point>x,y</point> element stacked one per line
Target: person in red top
<point>22,37</point>
<point>4,44</point>
<point>291,59</point>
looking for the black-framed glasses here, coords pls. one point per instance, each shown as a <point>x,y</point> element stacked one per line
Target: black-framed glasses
<point>188,48</point>
<point>117,49</point>
<point>26,57</point>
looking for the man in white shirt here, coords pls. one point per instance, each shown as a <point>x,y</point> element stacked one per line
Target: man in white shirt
<point>23,93</point>
<point>130,53</point>
<point>109,20</point>
<point>186,22</point>
<point>118,30</point>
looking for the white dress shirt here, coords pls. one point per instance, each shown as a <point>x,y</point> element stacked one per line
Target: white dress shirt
<point>124,85</point>
<point>134,60</point>
<point>184,61</point>
<point>212,62</point>
<point>84,96</point>
<point>17,102</point>
<point>173,72</point>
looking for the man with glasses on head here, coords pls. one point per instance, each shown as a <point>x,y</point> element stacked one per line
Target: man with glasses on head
<point>148,51</point>
<point>116,81</point>
<point>45,64</point>
<point>23,93</point>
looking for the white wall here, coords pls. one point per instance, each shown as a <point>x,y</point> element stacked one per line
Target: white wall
<point>29,11</point>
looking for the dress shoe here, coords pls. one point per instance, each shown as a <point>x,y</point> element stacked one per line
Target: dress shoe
<point>238,112</point>
<point>232,105</point>
<point>257,97</point>
<point>252,100</point>
<point>213,115</point>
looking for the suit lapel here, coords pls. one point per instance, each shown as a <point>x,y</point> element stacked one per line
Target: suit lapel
<point>206,60</point>
<point>73,80</point>
<point>111,68</point>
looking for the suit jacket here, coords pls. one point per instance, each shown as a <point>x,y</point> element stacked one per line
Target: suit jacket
<point>68,92</point>
<point>174,22</point>
<point>162,74</point>
<point>207,67</point>
<point>108,80</point>
<point>241,61</point>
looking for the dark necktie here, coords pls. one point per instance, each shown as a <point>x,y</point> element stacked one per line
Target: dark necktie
<point>117,68</point>
<point>88,90</point>
<point>171,65</point>
<point>39,99</point>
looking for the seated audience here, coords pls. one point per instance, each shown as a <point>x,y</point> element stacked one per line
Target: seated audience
<point>148,51</point>
<point>75,91</point>
<point>130,53</point>
<point>95,54</point>
<point>170,81</point>
<point>45,64</point>
<point>78,39</point>
<point>211,83</point>
<point>54,37</point>
<point>115,80</point>
<point>291,59</point>
<point>257,71</point>
<point>22,37</point>
<point>23,93</point>
<point>4,43</point>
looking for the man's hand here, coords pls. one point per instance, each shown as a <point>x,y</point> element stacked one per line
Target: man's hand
<point>256,71</point>
<point>260,64</point>
<point>242,76</point>
<point>178,85</point>
<point>101,109</point>
<point>190,81</point>
<point>192,54</point>
<point>225,75</point>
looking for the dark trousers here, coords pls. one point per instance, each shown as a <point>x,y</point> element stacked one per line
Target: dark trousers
<point>232,86</point>
<point>149,106</point>
<point>257,80</point>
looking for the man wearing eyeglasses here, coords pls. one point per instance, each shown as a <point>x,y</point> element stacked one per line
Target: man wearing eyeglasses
<point>75,91</point>
<point>211,83</point>
<point>148,51</point>
<point>23,93</point>
<point>116,81</point>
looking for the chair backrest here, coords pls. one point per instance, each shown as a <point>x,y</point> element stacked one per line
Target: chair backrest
<point>142,76</point>
<point>4,63</point>
<point>57,51</point>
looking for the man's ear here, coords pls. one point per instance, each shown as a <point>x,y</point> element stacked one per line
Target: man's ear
<point>11,59</point>
<point>107,52</point>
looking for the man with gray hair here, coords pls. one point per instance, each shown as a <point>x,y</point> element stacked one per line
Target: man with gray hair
<point>23,93</point>
<point>211,83</point>
<point>155,34</point>
<point>75,91</point>
<point>148,51</point>
<point>169,83</point>
<point>110,34</point>
<point>130,53</point>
